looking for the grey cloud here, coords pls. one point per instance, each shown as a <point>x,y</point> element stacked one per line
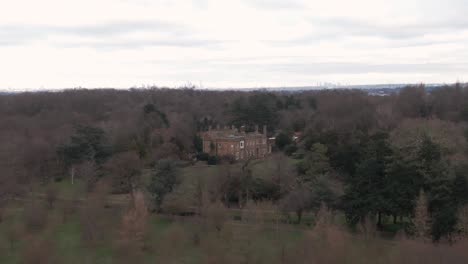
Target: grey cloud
<point>326,68</point>
<point>311,67</point>
<point>363,68</point>
<point>392,31</point>
<point>135,44</point>
<point>276,4</point>
<point>119,28</point>
<point>400,35</point>
<point>201,3</point>
<point>176,35</point>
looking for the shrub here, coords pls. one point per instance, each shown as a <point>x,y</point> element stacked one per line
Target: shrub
<point>212,160</point>
<point>290,149</point>
<point>228,159</point>
<point>203,156</point>
<point>282,140</point>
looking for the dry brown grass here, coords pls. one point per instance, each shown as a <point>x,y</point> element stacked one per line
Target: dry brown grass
<point>331,244</point>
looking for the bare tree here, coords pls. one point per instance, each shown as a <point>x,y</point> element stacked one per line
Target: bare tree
<point>298,201</point>
<point>125,171</point>
<point>134,222</point>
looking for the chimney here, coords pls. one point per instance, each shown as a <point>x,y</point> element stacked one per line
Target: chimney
<point>256,128</point>
<point>233,128</point>
<point>265,130</point>
<point>242,129</point>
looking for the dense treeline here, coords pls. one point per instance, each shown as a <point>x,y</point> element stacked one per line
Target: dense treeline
<point>373,158</point>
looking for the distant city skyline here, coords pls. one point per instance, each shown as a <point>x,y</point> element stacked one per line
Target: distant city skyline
<point>56,44</point>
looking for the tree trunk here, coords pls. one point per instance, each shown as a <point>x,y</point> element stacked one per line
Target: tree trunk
<point>72,174</point>
<point>299,216</point>
<point>379,219</point>
<point>132,188</point>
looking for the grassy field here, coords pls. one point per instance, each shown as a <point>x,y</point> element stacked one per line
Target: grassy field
<point>61,237</point>
<point>89,231</point>
<point>194,240</point>
<point>178,239</point>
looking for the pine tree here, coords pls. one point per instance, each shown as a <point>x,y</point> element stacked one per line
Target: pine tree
<point>367,191</point>
<point>315,164</point>
<point>163,181</point>
<point>442,206</point>
<point>404,179</point>
<point>460,187</point>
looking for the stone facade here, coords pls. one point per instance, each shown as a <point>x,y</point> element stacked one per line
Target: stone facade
<point>236,143</point>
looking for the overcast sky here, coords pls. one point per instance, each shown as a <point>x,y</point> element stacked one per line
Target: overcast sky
<point>220,43</point>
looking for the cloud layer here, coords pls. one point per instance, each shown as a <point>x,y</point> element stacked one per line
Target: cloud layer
<point>123,43</point>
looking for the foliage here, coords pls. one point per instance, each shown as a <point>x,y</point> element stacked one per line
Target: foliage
<point>370,190</point>
<point>163,181</point>
<point>282,140</point>
<point>124,169</point>
<point>198,143</point>
<point>87,144</point>
<point>460,186</point>
<point>290,149</point>
<point>212,160</point>
<point>259,108</point>
<point>382,150</point>
<point>315,163</point>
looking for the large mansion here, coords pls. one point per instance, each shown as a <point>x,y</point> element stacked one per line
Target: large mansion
<point>229,141</point>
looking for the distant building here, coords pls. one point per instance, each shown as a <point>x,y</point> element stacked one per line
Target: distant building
<point>297,136</point>
<point>236,143</point>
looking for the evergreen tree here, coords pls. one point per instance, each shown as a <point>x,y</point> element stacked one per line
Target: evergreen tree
<point>462,221</point>
<point>366,191</point>
<point>282,140</point>
<point>404,179</point>
<point>163,181</point>
<point>260,108</point>
<point>442,206</point>
<point>315,164</point>
<point>460,186</point>
<point>86,144</point>
<point>152,118</point>
<point>313,179</point>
